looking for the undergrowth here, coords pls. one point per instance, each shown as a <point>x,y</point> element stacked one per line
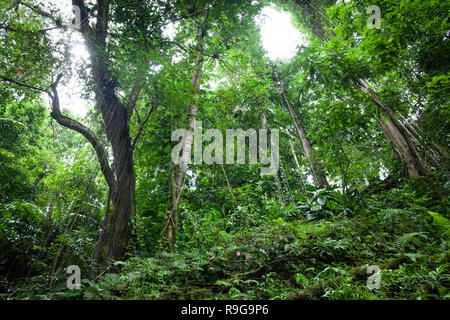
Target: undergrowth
<point>276,254</point>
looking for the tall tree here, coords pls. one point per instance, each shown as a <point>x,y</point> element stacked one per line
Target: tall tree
<point>314,19</point>
<point>315,166</point>
<point>216,26</point>
<point>179,171</point>
<point>102,23</point>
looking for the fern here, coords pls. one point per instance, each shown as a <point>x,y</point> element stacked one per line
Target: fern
<point>401,243</point>
<point>414,256</point>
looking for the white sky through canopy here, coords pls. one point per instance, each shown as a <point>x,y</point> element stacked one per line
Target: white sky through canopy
<point>279,37</point>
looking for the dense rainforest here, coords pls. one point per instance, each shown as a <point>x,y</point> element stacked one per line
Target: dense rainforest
<point>205,169</point>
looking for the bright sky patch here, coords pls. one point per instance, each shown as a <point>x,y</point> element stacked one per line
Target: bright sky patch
<point>279,37</point>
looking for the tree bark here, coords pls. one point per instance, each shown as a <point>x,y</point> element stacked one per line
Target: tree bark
<point>315,166</point>
<point>299,169</point>
<point>399,137</point>
<point>398,143</point>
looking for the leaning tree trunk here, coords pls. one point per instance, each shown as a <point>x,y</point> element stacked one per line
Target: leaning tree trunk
<point>399,137</point>
<point>398,143</point>
<point>317,171</point>
<point>168,235</point>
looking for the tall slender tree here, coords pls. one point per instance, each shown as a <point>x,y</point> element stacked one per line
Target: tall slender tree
<point>311,15</point>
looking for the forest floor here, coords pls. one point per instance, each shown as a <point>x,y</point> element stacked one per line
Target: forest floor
<point>284,256</point>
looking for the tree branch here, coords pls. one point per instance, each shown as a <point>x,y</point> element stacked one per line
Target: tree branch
<point>187,50</point>
<point>134,96</point>
<point>85,131</point>
<point>136,139</point>
<point>22,84</point>
<point>8,28</point>
<point>41,12</point>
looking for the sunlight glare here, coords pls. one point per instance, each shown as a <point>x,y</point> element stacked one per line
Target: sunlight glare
<point>279,37</point>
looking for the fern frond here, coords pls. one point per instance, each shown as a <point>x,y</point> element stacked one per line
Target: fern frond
<point>402,242</point>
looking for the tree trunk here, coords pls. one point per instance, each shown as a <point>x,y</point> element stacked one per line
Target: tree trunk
<point>315,166</point>
<point>397,134</point>
<point>121,181</point>
<point>168,235</point>
<point>299,169</point>
<point>123,194</point>
<point>398,143</point>
<point>399,137</point>
<point>276,176</point>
